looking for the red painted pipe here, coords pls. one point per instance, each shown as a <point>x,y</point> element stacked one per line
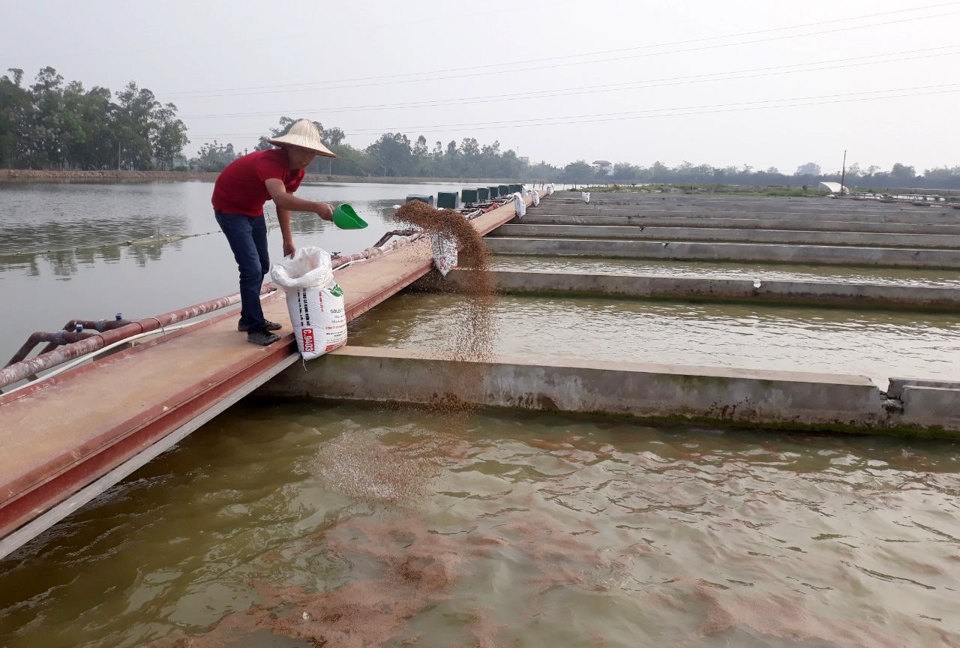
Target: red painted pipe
<point>98,325</point>
<point>68,335</point>
<point>87,328</point>
<point>55,339</point>
<point>31,367</point>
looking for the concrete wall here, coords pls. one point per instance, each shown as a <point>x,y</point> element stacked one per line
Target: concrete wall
<point>727,234</point>
<point>812,208</point>
<point>768,399</point>
<point>851,295</point>
<point>832,223</point>
<point>749,252</point>
<point>772,399</point>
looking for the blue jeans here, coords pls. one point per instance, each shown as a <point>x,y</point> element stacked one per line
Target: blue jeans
<point>247,236</point>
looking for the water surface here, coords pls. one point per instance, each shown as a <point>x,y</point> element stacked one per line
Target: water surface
<point>74,251</point>
<point>300,525</point>
<point>879,344</point>
<point>291,525</point>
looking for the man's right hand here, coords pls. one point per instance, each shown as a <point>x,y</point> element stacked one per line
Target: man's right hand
<point>325,211</point>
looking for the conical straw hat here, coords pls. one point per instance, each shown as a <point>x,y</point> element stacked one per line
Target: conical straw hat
<point>304,133</point>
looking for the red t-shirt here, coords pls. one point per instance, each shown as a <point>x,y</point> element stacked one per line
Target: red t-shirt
<point>240,188</point>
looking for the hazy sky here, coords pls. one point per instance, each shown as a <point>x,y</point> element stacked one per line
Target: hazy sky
<point>763,83</point>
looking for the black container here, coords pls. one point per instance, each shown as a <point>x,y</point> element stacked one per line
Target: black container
<point>448,200</point>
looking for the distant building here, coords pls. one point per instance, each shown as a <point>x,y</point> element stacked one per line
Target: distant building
<point>604,166</point>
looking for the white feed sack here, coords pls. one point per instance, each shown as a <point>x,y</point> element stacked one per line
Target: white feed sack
<point>314,300</point>
<point>445,254</point>
<point>519,205</point>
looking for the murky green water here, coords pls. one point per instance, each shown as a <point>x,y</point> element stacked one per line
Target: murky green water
<point>295,525</point>
<point>72,251</point>
<point>878,344</point>
<point>302,525</point>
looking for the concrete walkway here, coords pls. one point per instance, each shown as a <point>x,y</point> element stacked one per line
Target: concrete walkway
<point>734,235</point>
<point>810,293</point>
<point>677,227</point>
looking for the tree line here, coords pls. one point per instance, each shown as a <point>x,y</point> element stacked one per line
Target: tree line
<point>51,125</point>
<point>57,125</point>
<point>394,155</point>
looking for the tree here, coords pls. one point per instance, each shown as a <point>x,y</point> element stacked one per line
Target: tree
<point>52,124</point>
<point>490,163</point>
<point>133,124</point>
<point>808,169</point>
<point>579,172</point>
<point>332,137</point>
<point>624,172</point>
<point>511,166</point>
<point>421,165</point>
<point>659,172</point>
<point>214,157</point>
<point>902,174</point>
<point>393,153</point>
<point>942,178</point>
<point>170,136</point>
<point>284,127</point>
<point>351,162</point>
<point>45,127</point>
<point>15,111</point>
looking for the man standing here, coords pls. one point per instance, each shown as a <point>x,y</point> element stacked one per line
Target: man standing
<point>238,198</point>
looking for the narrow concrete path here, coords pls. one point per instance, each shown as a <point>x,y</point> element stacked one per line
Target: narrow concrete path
<point>733,235</point>
<point>813,293</point>
<point>720,251</point>
<point>737,228</point>
<point>801,223</point>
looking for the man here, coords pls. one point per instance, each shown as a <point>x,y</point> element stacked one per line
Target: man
<point>238,198</point>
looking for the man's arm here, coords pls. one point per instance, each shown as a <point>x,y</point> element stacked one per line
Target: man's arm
<point>289,202</point>
<point>286,203</point>
<point>283,215</point>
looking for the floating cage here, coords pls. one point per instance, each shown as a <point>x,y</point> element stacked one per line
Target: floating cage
<point>421,198</point>
<point>448,200</point>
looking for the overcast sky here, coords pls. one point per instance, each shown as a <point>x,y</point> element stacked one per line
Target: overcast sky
<point>762,83</point>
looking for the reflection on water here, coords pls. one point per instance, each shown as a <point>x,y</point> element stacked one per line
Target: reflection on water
<point>39,218</point>
<point>280,526</point>
<point>877,344</point>
<point>43,218</point>
<point>301,525</point>
<point>73,251</point>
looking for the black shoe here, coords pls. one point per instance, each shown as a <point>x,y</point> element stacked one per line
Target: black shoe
<point>262,338</point>
<point>270,326</point>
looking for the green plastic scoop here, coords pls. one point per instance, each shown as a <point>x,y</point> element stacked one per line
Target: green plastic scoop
<point>345,217</point>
